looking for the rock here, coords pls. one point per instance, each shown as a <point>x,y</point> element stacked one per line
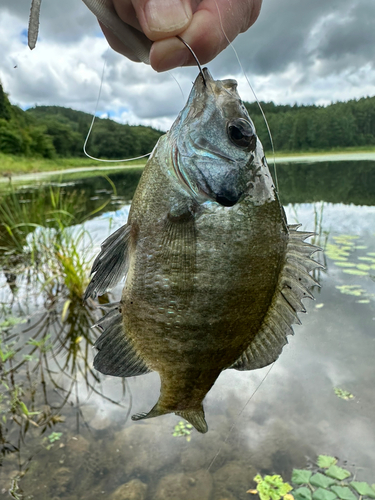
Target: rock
<point>133,490</point>
<point>78,444</point>
<point>180,486</point>
<point>146,448</point>
<point>193,458</point>
<point>232,481</point>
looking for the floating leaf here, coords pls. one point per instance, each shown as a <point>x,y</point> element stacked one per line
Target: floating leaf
<point>325,461</point>
<point>323,494</point>
<point>321,481</point>
<point>369,259</point>
<point>301,476</point>
<point>302,493</point>
<point>364,301</point>
<point>363,488</point>
<point>319,306</point>
<point>253,492</point>
<point>341,393</point>
<point>357,272</point>
<point>363,267</point>
<point>337,472</point>
<point>371,253</point>
<point>344,492</point>
<point>361,247</point>
<point>344,264</point>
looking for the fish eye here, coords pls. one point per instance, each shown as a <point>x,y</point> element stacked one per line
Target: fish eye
<point>242,134</point>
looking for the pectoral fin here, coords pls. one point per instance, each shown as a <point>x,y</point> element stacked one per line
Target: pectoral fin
<point>116,355</point>
<point>111,265</point>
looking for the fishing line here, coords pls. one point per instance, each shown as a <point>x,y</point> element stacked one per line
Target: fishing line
<point>238,416</point>
<point>93,120</point>
<point>253,91</point>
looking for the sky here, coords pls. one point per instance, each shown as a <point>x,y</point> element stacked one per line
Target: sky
<point>299,51</point>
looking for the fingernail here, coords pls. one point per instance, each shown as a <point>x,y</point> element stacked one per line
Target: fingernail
<point>173,59</point>
<point>166,16</point>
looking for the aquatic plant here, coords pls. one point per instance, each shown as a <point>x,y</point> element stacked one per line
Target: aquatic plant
<point>183,429</point>
<point>323,481</point>
<point>342,394</point>
<point>271,488</point>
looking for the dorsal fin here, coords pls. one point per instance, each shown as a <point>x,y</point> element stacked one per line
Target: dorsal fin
<point>111,265</point>
<point>116,355</point>
<point>293,286</point>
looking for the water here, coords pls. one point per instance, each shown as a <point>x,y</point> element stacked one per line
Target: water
<point>86,446</point>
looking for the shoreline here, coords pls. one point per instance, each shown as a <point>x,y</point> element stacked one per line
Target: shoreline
<point>288,158</point>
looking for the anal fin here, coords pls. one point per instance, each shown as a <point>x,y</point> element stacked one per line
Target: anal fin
<point>116,356</point>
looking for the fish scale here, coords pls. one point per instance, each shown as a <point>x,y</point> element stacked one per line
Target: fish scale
<point>214,275</point>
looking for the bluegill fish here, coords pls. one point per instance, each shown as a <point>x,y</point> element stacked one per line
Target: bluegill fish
<point>214,274</point>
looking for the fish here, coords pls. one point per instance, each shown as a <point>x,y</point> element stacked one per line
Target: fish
<point>215,276</point>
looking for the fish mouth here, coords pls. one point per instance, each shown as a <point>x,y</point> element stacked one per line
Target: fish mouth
<point>227,198</point>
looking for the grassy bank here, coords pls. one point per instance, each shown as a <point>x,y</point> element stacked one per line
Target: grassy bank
<point>12,165</point>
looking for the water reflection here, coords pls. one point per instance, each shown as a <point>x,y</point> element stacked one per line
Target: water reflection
<point>65,431</point>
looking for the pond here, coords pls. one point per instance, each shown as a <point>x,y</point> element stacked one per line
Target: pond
<point>65,429</point>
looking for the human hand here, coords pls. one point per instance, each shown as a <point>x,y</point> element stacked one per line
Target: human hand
<point>197,22</point>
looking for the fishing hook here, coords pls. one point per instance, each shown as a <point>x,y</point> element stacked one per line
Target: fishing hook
<point>195,57</point>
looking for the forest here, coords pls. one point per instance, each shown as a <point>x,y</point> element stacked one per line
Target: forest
<point>54,131</point>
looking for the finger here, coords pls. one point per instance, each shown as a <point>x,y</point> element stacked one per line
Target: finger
<point>116,44</point>
<point>207,33</point>
<point>163,18</point>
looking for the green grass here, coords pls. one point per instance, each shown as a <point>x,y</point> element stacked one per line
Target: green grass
<point>12,165</point>
<point>331,151</point>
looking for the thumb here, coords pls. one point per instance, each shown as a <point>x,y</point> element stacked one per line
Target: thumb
<point>161,19</point>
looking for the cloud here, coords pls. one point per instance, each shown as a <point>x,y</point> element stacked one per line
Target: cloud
<point>305,51</point>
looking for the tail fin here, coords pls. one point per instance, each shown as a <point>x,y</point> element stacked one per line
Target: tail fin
<point>195,417</point>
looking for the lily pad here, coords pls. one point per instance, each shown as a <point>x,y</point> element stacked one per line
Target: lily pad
<point>301,476</point>
<point>357,272</point>
<point>321,481</point>
<point>342,394</point>
<point>344,264</point>
<point>325,461</point>
<point>363,267</point>
<point>343,492</point>
<point>302,493</point>
<point>364,301</point>
<point>363,488</point>
<point>337,472</point>
<point>323,494</point>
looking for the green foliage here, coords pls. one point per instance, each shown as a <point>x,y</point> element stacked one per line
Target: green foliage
<point>337,472</point>
<point>297,128</point>
<point>50,131</point>
<point>364,488</point>
<point>321,481</point>
<point>325,461</point>
<point>327,482</point>
<point>302,493</point>
<point>344,493</point>
<point>182,429</point>
<point>342,394</point>
<point>301,476</point>
<point>271,487</point>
